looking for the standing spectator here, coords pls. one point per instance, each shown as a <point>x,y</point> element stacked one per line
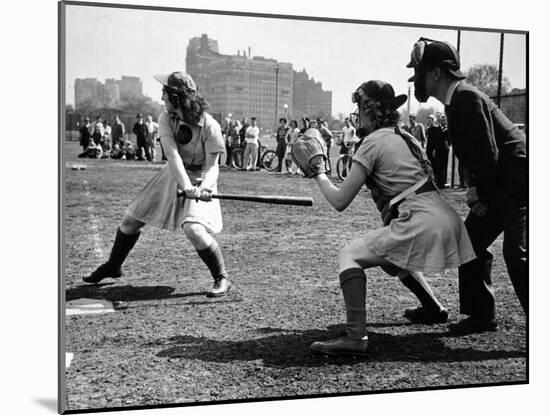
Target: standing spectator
<point>417,130</point>
<point>245,124</point>
<point>233,139</point>
<point>291,136</point>
<point>326,135</point>
<point>437,148</point>
<point>433,133</point>
<point>118,131</point>
<point>252,136</point>
<point>493,152</point>
<point>107,138</point>
<point>85,136</point>
<point>140,130</point>
<point>152,133</point>
<point>281,142</point>
<point>349,139</point>
<point>97,130</point>
<point>442,152</point>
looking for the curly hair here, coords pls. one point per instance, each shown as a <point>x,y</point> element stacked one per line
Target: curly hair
<point>191,103</point>
<point>384,116</point>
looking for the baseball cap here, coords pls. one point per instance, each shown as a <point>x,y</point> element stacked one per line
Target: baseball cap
<point>436,53</point>
<point>378,91</point>
<point>177,80</point>
<point>139,116</point>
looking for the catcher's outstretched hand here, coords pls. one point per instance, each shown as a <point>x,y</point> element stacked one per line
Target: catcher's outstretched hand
<point>309,154</point>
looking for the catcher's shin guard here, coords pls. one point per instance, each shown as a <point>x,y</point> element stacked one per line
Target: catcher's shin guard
<point>111,269</point>
<point>353,283</point>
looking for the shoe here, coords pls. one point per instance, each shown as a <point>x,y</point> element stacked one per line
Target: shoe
<point>474,325</point>
<point>421,315</point>
<point>221,288</point>
<point>102,272</point>
<point>343,346</point>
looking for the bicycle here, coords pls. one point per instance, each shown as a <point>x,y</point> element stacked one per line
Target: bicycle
<point>267,158</point>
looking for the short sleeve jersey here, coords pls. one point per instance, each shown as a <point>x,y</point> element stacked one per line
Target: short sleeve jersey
<point>388,162</point>
<point>207,137</point>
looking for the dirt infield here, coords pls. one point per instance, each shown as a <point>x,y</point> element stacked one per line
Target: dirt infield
<point>167,343</point>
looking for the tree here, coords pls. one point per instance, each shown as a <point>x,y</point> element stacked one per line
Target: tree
<point>485,78</point>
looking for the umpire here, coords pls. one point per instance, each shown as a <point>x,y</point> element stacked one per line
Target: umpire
<point>492,150</point>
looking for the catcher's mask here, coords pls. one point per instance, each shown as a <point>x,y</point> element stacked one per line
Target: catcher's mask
<point>374,97</point>
<point>427,54</point>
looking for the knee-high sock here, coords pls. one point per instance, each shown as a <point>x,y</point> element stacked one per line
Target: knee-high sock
<point>121,248</point>
<point>213,258</point>
<point>353,283</point>
<point>418,285</point>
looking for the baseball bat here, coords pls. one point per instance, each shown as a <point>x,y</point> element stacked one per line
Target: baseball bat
<point>276,200</point>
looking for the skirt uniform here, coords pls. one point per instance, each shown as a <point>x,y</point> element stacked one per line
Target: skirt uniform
<point>428,235</point>
<point>157,203</point>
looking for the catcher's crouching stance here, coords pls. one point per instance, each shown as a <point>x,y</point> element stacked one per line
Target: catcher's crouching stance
<point>421,233</point>
<point>192,142</point>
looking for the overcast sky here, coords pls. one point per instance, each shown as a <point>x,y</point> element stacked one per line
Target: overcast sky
<point>111,42</point>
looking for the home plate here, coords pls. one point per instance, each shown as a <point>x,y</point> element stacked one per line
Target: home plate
<point>84,306</point>
<point>79,167</point>
<point>68,359</point>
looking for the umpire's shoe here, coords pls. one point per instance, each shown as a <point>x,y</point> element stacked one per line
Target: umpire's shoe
<point>102,272</point>
<point>422,315</point>
<point>343,346</point>
<point>472,325</point>
<point>221,287</point>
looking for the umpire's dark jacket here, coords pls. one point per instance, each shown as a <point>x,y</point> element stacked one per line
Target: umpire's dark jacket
<point>488,144</point>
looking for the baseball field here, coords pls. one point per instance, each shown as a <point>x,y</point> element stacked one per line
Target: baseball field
<point>153,338</point>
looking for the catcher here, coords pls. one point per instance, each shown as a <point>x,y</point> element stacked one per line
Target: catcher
<point>421,232</point>
<point>192,142</point>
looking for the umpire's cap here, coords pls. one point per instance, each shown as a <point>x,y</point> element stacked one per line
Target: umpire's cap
<point>378,91</point>
<point>177,80</point>
<point>436,54</point>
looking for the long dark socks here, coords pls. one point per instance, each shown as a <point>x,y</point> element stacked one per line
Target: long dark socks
<point>353,283</point>
<point>213,258</point>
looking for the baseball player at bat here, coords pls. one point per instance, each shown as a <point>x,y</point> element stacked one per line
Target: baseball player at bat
<point>421,232</point>
<point>192,142</point>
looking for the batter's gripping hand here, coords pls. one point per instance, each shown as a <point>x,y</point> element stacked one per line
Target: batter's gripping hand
<point>309,154</point>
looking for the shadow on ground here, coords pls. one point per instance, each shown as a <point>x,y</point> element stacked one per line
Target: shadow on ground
<point>292,348</point>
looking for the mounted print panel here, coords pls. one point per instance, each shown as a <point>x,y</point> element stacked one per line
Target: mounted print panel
<point>262,207</point>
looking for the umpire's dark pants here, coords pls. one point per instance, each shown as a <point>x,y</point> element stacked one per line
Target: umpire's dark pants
<point>475,289</point>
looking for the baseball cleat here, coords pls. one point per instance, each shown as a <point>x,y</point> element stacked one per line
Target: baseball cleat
<point>221,287</point>
<point>343,346</point>
<point>473,325</point>
<point>102,272</point>
<point>421,315</point>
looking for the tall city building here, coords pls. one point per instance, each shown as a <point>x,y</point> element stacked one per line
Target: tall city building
<point>252,86</point>
<point>108,93</point>
<point>130,86</point>
<point>85,90</point>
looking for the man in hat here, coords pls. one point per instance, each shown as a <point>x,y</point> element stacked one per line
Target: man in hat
<point>85,134</point>
<point>141,132</point>
<point>492,150</point>
<point>421,232</point>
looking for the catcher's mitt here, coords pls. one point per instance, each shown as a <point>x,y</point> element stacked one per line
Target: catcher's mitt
<point>309,154</point>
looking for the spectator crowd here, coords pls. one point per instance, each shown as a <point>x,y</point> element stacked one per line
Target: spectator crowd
<point>101,139</point>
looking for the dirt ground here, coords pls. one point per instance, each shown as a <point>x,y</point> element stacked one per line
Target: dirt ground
<point>167,343</point>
